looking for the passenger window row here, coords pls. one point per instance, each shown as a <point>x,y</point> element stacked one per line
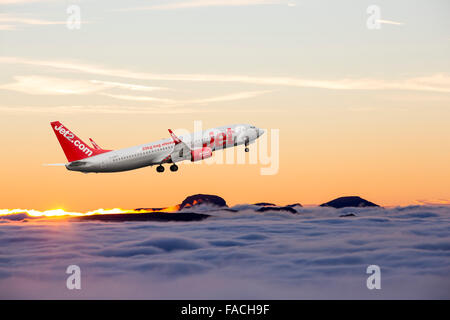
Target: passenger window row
<point>139,154</point>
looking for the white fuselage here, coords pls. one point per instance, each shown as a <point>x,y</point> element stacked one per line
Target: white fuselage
<point>159,152</point>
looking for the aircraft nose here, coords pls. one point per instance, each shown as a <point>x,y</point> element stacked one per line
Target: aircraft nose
<point>260,132</point>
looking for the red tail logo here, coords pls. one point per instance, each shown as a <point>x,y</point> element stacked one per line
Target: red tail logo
<point>73,147</point>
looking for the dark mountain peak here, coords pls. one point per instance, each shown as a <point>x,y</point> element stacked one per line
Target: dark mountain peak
<point>147,216</point>
<point>294,205</point>
<point>271,208</point>
<point>352,201</point>
<point>198,199</point>
<point>264,204</point>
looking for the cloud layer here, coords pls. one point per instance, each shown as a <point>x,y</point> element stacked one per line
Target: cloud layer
<point>314,254</point>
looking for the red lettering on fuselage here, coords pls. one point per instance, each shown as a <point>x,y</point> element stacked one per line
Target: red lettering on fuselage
<point>211,141</point>
<point>221,139</point>
<point>229,136</point>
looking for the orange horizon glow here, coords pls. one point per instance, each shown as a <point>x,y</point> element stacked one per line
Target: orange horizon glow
<point>63,213</point>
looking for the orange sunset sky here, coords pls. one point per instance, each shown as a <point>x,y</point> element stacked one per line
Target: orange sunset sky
<point>360,110</point>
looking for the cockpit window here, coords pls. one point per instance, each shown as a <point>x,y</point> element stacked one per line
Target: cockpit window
<point>252,127</point>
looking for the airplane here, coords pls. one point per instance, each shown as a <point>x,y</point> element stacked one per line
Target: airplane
<point>193,147</point>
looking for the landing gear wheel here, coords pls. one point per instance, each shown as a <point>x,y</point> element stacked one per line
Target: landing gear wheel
<point>173,167</point>
<point>160,168</point>
<point>247,149</point>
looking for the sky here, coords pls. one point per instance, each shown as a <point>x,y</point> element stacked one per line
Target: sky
<point>360,102</point>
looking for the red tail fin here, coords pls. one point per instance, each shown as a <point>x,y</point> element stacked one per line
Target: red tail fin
<point>73,147</point>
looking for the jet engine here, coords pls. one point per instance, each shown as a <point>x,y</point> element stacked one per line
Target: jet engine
<point>201,153</point>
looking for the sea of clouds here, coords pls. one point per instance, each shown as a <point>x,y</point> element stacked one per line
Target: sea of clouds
<point>243,255</point>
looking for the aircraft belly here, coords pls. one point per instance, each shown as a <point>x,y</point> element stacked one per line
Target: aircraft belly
<point>117,167</point>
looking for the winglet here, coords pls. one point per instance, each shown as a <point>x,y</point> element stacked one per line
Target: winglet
<point>174,137</point>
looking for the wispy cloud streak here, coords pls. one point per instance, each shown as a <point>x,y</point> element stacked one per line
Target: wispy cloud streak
<point>229,97</point>
<point>22,1</point>
<point>35,84</point>
<point>390,22</point>
<point>95,109</point>
<point>50,85</point>
<point>134,87</point>
<point>204,3</point>
<point>173,102</point>
<point>113,110</point>
<point>25,20</point>
<point>436,82</point>
<point>138,98</point>
<point>13,22</point>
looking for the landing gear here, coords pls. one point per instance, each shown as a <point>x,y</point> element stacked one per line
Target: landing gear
<point>246,145</point>
<point>173,168</point>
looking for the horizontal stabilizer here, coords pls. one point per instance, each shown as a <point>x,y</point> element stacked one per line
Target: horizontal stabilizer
<point>96,146</point>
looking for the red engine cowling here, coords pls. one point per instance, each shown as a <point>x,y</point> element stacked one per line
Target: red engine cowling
<point>201,153</point>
